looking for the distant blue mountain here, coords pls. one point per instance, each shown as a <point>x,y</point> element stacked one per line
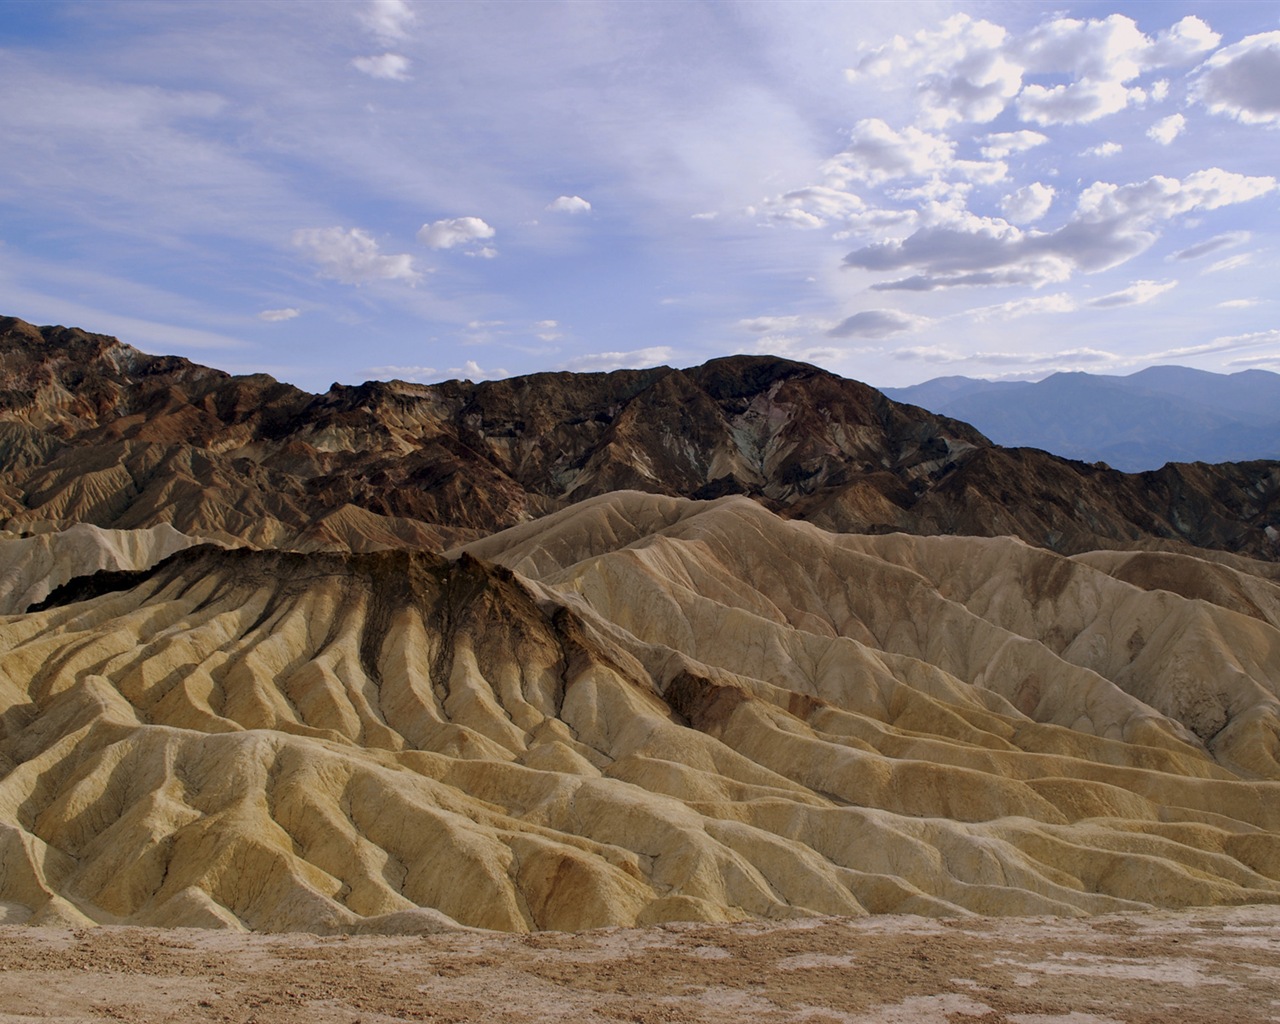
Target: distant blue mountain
<point>1157,415</point>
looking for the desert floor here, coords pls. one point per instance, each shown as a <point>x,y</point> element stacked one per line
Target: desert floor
<point>1189,967</point>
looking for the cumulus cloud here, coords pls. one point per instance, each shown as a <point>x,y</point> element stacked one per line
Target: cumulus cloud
<point>352,256</point>
<point>972,70</point>
<point>602,362</point>
<point>1005,144</point>
<point>391,66</point>
<point>1029,203</point>
<point>878,153</point>
<point>1167,129</point>
<point>962,68</point>
<point>1111,224</point>
<point>819,206</point>
<point>1224,241</point>
<point>1136,294</point>
<point>548,330</point>
<point>876,323</point>
<point>1102,57</point>
<point>447,234</point>
<point>471,370</point>
<point>1239,303</point>
<point>1104,149</point>
<point>569,204</point>
<point>387,20</point>
<point>1240,80</point>
<point>274,316</point>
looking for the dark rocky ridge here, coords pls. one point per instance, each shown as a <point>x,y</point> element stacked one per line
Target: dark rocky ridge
<point>92,430</point>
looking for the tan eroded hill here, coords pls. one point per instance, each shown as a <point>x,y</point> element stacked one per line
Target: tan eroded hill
<point>660,709</point>
<point>32,567</point>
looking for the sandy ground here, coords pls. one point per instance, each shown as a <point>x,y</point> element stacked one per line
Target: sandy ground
<point>1199,966</point>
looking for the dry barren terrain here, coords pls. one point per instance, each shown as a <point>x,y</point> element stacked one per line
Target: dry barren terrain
<point>1200,967</point>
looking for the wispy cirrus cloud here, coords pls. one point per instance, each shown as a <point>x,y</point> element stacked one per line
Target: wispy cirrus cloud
<point>275,316</point>
<point>1137,294</point>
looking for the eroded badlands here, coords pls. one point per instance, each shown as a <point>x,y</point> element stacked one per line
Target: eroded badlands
<point>642,709</point>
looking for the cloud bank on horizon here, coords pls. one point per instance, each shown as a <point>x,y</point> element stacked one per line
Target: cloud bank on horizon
<point>389,188</point>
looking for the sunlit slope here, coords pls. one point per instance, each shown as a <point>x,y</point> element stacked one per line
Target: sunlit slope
<point>662,709</point>
<point>32,567</point>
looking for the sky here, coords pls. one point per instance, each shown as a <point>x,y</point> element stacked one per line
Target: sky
<point>380,189</point>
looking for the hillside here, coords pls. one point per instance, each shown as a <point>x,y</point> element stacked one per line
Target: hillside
<point>93,431</point>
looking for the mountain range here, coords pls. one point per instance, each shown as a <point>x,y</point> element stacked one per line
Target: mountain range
<point>1140,422</point>
<point>740,641</point>
<point>94,431</point>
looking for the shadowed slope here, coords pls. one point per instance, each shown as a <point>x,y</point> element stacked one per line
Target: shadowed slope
<point>668,710</point>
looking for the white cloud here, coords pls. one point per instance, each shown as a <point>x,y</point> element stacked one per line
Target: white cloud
<point>1240,80</point>
<point>470,370</point>
<point>1223,241</point>
<point>1102,57</point>
<point>603,362</point>
<point>814,207</point>
<point>776,324</point>
<point>1167,129</point>
<point>962,69</point>
<point>413,374</point>
<point>1004,144</point>
<point>547,330</point>
<point>388,20</point>
<point>1136,294</point>
<point>391,66</point>
<point>819,206</point>
<point>273,316</point>
<point>1029,203</point>
<point>877,153</point>
<point>1078,103</point>
<point>876,323</point>
<point>446,234</point>
<point>1060,302</point>
<point>570,204</point>
<point>1068,357</point>
<point>1104,149</point>
<point>1111,224</point>
<point>1227,343</point>
<point>1230,263</point>
<point>352,256</point>
<point>486,252</point>
<point>1239,303</point>
<point>970,70</point>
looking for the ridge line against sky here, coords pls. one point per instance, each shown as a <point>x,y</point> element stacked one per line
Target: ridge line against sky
<point>384,188</point>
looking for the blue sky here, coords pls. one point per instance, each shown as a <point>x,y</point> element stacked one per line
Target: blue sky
<point>346,191</point>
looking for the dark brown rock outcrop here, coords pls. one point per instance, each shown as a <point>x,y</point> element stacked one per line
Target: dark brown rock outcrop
<point>92,430</point>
